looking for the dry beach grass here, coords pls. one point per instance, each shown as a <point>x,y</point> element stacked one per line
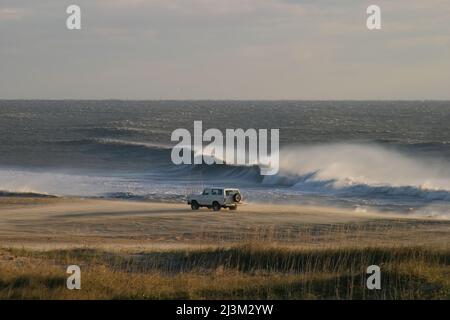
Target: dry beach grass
<point>133,250</point>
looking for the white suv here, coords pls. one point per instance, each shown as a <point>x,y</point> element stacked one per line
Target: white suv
<point>215,198</point>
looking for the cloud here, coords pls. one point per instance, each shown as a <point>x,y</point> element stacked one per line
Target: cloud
<point>274,49</point>
<point>11,13</point>
<point>208,7</point>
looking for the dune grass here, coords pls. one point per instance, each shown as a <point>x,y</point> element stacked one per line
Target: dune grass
<point>251,271</point>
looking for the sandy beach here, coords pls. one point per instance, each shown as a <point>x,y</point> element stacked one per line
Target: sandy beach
<point>72,222</point>
<point>146,250</point>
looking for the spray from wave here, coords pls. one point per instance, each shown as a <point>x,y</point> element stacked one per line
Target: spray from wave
<point>345,165</point>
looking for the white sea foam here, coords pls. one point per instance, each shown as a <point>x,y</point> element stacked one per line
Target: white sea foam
<point>52,183</point>
<point>353,164</point>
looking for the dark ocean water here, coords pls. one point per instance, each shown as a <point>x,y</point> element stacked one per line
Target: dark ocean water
<point>387,155</point>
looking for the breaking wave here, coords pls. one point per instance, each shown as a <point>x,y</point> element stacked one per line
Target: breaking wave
<point>344,170</point>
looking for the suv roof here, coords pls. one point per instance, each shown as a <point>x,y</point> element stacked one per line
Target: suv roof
<point>209,188</point>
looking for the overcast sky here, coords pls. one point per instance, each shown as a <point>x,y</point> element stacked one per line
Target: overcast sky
<point>225,49</point>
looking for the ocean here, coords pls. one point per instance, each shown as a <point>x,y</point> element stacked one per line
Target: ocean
<point>365,155</point>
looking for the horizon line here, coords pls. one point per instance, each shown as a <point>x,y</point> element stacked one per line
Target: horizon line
<point>206,100</point>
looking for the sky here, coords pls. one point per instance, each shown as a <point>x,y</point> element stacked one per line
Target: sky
<point>225,49</point>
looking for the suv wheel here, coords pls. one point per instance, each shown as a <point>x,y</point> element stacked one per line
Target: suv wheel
<point>216,206</point>
<point>194,205</point>
<point>237,197</point>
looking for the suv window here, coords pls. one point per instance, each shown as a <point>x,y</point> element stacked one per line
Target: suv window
<point>217,192</point>
<point>214,192</point>
<point>205,192</point>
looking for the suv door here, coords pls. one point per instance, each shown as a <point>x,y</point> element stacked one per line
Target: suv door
<point>205,198</point>
<point>217,195</point>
